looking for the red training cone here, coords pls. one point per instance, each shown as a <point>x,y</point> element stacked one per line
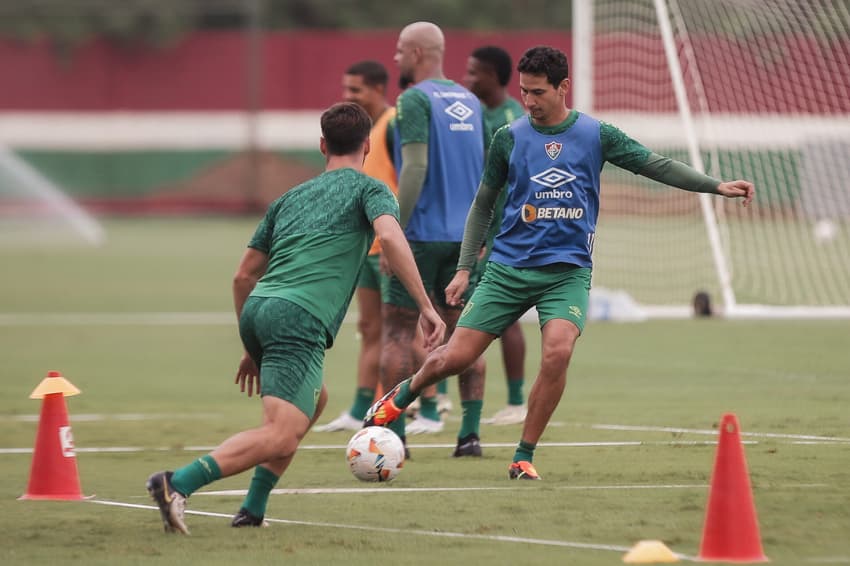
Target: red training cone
<point>54,463</point>
<point>731,531</point>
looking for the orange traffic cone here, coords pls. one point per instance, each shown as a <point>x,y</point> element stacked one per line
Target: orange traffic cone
<point>731,531</point>
<point>54,463</point>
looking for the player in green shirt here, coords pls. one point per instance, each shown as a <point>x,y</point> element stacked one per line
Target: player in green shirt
<point>291,291</point>
<point>488,72</point>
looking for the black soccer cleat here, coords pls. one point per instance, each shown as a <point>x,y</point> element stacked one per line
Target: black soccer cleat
<point>244,518</point>
<point>469,445</point>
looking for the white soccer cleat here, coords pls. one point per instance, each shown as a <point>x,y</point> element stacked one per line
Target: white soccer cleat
<point>343,422</point>
<point>421,425</point>
<point>444,403</point>
<point>512,414</point>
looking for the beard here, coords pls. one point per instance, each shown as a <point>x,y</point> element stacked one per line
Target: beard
<point>405,79</point>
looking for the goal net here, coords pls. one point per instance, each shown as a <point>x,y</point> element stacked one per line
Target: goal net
<point>752,89</point>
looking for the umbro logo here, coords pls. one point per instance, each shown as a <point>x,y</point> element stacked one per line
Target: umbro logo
<point>553,178</point>
<point>459,111</point>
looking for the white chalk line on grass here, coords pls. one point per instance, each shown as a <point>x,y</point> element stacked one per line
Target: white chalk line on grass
<point>783,436</point>
<point>128,417</point>
<point>420,532</point>
<point>798,438</point>
<point>190,448</point>
<point>136,449</point>
<point>112,319</point>
<point>384,489</point>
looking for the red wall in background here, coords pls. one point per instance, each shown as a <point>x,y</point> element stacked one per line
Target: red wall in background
<point>302,70</point>
<point>209,71</point>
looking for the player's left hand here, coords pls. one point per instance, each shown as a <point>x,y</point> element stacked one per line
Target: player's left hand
<point>457,287</point>
<point>247,373</point>
<point>739,188</point>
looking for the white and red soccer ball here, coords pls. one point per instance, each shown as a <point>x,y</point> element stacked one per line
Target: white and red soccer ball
<point>375,454</point>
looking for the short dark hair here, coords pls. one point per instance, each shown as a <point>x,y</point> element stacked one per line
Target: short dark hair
<point>498,58</point>
<point>373,73</point>
<point>544,60</point>
<point>345,126</point>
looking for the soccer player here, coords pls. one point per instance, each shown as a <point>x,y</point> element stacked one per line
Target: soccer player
<point>291,292</point>
<point>488,72</point>
<point>439,157</point>
<point>551,162</point>
<point>365,83</point>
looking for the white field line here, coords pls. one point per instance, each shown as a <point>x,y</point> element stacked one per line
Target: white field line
<point>142,318</point>
<point>441,446</point>
<point>384,489</point>
<point>714,432</point>
<point>368,490</point>
<point>798,438</point>
<point>420,532</point>
<point>97,417</point>
<point>112,319</point>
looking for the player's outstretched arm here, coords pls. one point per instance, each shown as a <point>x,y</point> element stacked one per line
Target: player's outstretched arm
<point>394,246</point>
<point>738,189</point>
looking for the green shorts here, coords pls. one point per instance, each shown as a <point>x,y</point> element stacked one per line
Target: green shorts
<point>437,263</point>
<point>288,344</point>
<point>505,293</point>
<point>370,273</point>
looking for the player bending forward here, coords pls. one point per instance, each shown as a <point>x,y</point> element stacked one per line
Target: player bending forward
<point>291,292</point>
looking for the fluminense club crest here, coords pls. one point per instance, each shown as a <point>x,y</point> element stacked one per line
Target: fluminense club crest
<point>553,149</point>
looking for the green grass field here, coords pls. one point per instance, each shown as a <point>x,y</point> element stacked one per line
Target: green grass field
<point>628,456</point>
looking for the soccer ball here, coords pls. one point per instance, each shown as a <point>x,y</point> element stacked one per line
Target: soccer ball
<point>375,453</point>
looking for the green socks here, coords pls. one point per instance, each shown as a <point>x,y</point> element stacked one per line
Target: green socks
<point>471,418</point>
<point>428,408</point>
<point>404,397</point>
<point>515,396</point>
<point>524,451</point>
<point>443,387</point>
<point>189,479</point>
<point>363,399</point>
<point>262,485</point>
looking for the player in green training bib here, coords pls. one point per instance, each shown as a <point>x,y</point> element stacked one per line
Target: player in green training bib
<point>291,291</point>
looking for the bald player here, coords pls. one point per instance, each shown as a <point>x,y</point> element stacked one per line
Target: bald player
<point>439,157</point>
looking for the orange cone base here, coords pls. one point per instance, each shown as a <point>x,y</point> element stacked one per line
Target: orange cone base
<point>741,560</point>
<point>53,497</point>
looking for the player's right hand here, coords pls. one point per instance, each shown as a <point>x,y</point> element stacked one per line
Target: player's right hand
<point>433,328</point>
<point>457,287</point>
<point>247,372</point>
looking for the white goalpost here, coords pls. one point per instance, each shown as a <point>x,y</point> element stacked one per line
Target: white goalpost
<point>754,89</point>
